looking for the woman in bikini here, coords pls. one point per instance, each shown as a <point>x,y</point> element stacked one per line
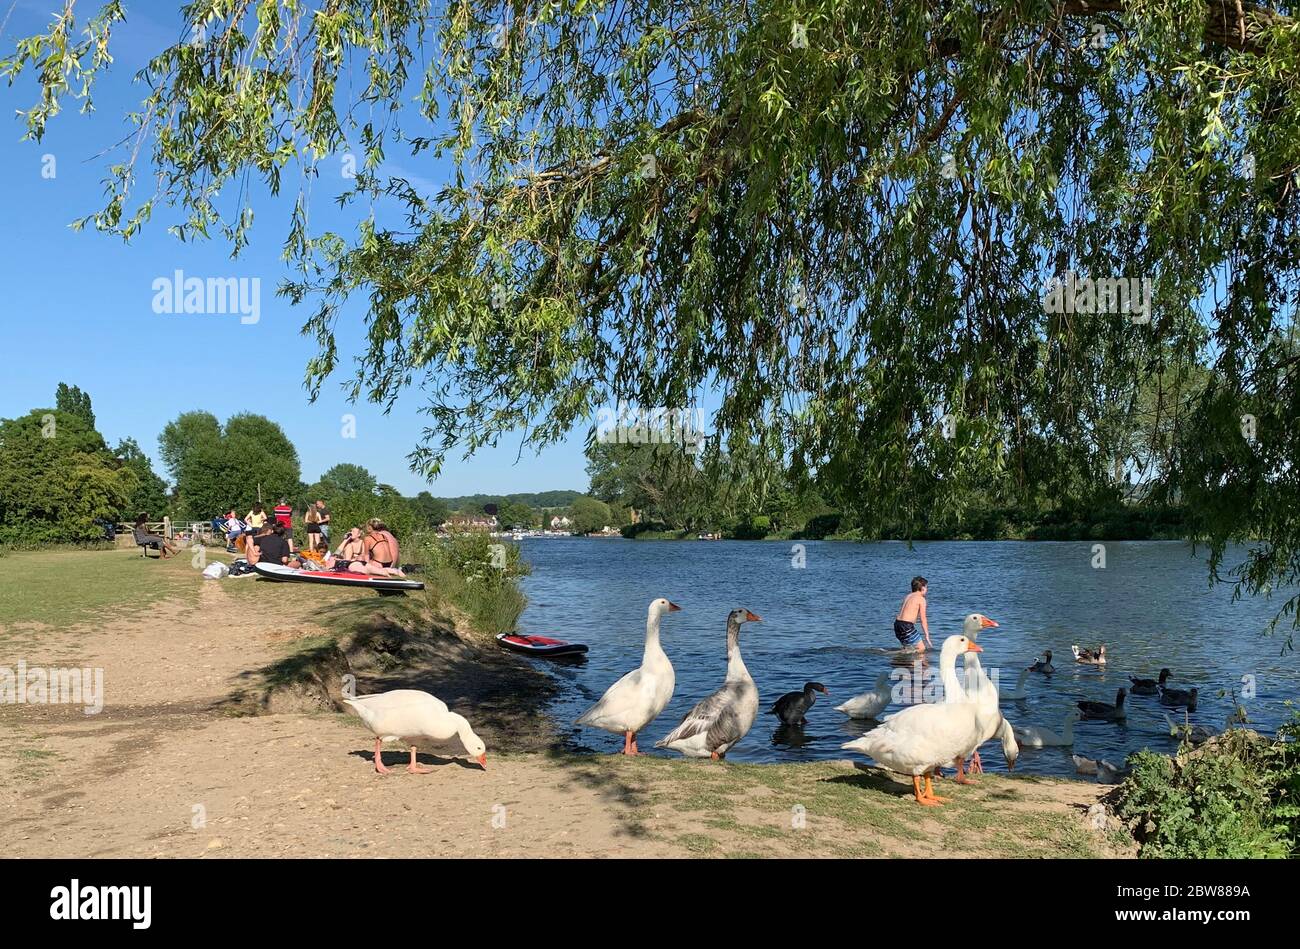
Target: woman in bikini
<point>355,556</point>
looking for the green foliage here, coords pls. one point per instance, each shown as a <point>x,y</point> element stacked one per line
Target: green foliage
<point>56,479</point>
<point>431,511</point>
<point>185,435</point>
<point>473,503</point>
<point>353,510</point>
<point>846,238</point>
<point>480,575</point>
<point>514,514</point>
<point>217,468</point>
<point>150,493</point>
<point>1235,796</point>
<point>343,479</point>
<point>589,515</point>
<point>72,400</point>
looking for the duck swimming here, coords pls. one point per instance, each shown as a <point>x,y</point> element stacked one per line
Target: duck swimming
<point>1200,734</point>
<point>716,723</point>
<point>1032,736</point>
<point>869,704</point>
<point>1179,697</point>
<point>793,706</point>
<point>1091,657</point>
<point>1148,686</point>
<point>1044,665</point>
<point>1104,710</point>
<point>635,700</point>
<point>1018,691</point>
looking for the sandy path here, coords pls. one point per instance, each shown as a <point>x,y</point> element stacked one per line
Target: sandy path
<point>166,769</point>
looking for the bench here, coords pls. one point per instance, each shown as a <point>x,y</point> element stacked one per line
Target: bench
<point>143,544</point>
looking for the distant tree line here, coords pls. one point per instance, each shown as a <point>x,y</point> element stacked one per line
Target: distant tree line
<point>61,482</point>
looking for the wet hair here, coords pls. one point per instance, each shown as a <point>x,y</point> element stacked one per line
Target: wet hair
<point>919,583</point>
<point>375,524</point>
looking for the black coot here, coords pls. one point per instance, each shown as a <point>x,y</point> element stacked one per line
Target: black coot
<point>793,706</point>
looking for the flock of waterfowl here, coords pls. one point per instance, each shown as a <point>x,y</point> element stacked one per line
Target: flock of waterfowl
<point>918,741</point>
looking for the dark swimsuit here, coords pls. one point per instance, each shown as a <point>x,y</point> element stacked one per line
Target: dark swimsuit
<point>906,632</point>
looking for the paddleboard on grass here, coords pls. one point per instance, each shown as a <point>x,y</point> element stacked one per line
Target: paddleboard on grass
<point>540,645</point>
<point>276,571</point>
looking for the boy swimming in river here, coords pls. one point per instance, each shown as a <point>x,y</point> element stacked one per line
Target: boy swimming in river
<point>913,609</point>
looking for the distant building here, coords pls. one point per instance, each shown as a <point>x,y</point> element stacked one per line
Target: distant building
<point>560,523</point>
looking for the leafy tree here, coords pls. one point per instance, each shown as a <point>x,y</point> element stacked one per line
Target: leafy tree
<point>219,468</point>
<point>589,515</point>
<point>514,514</point>
<point>150,493</point>
<point>431,511</point>
<point>354,509</point>
<point>184,435</point>
<point>57,478</point>
<point>345,479</point>
<point>75,402</point>
<point>839,215</point>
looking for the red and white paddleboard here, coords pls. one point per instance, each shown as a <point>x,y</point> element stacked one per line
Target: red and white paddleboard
<point>540,645</point>
<point>277,571</point>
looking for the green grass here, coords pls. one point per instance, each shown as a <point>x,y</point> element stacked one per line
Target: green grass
<point>62,588</point>
<point>745,810</point>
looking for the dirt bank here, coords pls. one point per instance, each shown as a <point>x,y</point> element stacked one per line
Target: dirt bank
<point>219,738</point>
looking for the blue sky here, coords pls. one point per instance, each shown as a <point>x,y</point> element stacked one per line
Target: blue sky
<point>78,307</point>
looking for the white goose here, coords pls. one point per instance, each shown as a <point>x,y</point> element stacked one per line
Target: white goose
<point>1017,693</point>
<point>1032,736</point>
<point>410,714</point>
<point>635,700</point>
<point>916,739</point>
<point>980,690</point>
<point>869,704</point>
<point>1200,734</point>
<point>716,723</point>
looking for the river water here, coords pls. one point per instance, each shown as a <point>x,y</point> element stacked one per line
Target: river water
<point>830,620</point>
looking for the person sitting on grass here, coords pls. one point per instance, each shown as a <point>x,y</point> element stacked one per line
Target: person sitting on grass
<point>270,545</point>
<point>143,537</point>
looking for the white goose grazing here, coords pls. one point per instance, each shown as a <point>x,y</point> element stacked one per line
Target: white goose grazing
<point>914,740</point>
<point>636,700</point>
<point>869,704</point>
<point>409,714</point>
<point>1032,736</point>
<point>715,724</point>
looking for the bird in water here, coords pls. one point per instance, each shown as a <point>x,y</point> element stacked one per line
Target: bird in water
<point>1148,686</point>
<point>1104,710</point>
<point>1044,665</point>
<point>793,706</point>
<point>1091,657</point>
<point>1179,697</point>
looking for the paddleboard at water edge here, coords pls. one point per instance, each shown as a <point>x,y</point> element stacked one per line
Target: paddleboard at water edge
<point>276,571</point>
<point>540,645</point>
